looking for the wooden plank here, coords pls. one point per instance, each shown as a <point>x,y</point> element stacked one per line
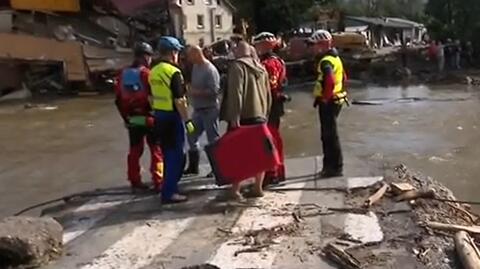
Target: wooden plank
<point>453,227</point>
<point>467,251</point>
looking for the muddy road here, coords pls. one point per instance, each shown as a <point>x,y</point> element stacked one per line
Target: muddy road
<point>80,144</point>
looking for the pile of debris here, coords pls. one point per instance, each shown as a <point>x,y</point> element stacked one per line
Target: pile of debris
<point>72,46</point>
<point>422,221</point>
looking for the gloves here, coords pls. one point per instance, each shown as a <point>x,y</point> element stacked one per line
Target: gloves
<point>190,127</point>
<point>317,102</point>
<point>137,121</point>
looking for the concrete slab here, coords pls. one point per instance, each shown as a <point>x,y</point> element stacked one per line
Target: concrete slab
<point>364,228</point>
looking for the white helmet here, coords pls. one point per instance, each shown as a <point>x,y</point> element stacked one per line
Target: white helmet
<point>320,35</point>
<point>264,37</point>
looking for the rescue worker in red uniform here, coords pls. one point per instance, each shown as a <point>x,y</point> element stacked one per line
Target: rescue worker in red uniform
<point>330,95</point>
<point>265,43</point>
<point>132,91</point>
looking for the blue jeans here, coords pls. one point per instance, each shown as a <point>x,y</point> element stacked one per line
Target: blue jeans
<point>170,134</point>
<point>205,120</point>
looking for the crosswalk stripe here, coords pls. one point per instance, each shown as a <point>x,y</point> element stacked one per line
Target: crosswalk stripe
<point>139,248</point>
<point>252,219</point>
<point>89,214</point>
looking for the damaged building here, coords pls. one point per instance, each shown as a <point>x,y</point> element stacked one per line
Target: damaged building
<point>68,46</point>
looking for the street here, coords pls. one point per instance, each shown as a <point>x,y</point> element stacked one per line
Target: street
<point>81,146</point>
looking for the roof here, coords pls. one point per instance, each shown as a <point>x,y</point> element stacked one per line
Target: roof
<point>129,7</point>
<point>230,5</point>
<point>384,22</point>
<point>406,22</point>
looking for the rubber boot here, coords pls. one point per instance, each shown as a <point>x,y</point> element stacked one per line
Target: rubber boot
<point>193,162</point>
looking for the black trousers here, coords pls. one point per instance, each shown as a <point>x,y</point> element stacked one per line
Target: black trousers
<point>332,151</point>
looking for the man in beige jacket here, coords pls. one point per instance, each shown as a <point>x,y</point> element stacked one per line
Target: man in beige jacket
<point>247,99</point>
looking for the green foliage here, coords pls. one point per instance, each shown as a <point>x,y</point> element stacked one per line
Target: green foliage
<point>453,18</point>
<point>274,16</point>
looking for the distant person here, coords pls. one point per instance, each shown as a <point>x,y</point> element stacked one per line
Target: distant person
<point>440,57</point>
<point>330,96</point>
<point>203,96</point>
<point>247,100</point>
<point>457,54</point>
<point>132,100</point>
<point>448,52</point>
<point>469,52</point>
<point>171,115</point>
<point>265,43</point>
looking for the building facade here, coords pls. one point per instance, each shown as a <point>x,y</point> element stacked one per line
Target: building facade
<point>206,21</point>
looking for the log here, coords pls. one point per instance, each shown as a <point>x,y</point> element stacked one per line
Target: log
<point>376,196</point>
<point>453,227</point>
<point>467,251</point>
<point>412,195</point>
<point>341,257</point>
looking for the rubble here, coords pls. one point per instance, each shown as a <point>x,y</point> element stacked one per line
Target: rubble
<point>29,242</point>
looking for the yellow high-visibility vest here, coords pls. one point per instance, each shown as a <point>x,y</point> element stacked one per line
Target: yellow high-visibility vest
<point>160,80</point>
<point>338,74</point>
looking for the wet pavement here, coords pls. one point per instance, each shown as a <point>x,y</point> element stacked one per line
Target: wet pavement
<point>81,145</point>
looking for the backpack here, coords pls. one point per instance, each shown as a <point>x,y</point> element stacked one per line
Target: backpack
<point>132,80</point>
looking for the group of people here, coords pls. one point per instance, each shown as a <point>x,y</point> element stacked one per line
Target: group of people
<point>154,102</point>
<point>449,54</point>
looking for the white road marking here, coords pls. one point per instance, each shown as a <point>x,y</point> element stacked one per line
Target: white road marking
<point>139,248</point>
<point>255,219</point>
<point>89,214</point>
<point>362,182</point>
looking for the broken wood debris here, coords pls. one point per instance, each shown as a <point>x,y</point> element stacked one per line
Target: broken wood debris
<point>399,188</point>
<point>251,249</point>
<point>453,227</point>
<point>377,196</point>
<point>414,194</point>
<point>341,257</point>
<point>467,251</point>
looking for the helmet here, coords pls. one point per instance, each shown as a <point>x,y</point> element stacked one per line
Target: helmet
<point>266,37</point>
<point>319,36</point>
<point>143,48</point>
<point>169,43</point>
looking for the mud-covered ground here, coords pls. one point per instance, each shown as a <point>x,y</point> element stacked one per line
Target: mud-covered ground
<point>79,144</point>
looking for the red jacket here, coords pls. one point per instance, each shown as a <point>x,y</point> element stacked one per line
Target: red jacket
<point>277,73</point>
<point>130,102</point>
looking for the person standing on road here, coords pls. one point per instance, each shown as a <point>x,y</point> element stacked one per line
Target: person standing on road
<point>265,43</point>
<point>457,54</point>
<point>171,115</point>
<point>132,90</point>
<point>440,56</point>
<point>203,95</point>
<point>330,95</point>
<point>469,53</point>
<point>247,100</point>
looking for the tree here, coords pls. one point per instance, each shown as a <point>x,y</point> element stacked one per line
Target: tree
<point>274,16</point>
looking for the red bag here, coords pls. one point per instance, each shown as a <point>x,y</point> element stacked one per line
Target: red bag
<point>242,153</point>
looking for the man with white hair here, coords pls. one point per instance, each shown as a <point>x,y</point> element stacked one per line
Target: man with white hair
<point>330,95</point>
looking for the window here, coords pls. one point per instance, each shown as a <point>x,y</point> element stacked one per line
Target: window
<point>208,2</point>
<point>185,22</point>
<point>191,2</point>
<point>218,21</point>
<point>200,22</point>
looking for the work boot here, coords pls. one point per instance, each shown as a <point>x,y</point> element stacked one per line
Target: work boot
<point>330,174</point>
<point>139,187</point>
<point>175,199</point>
<point>193,161</point>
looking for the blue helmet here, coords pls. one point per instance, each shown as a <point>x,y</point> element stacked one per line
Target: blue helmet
<point>169,43</point>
